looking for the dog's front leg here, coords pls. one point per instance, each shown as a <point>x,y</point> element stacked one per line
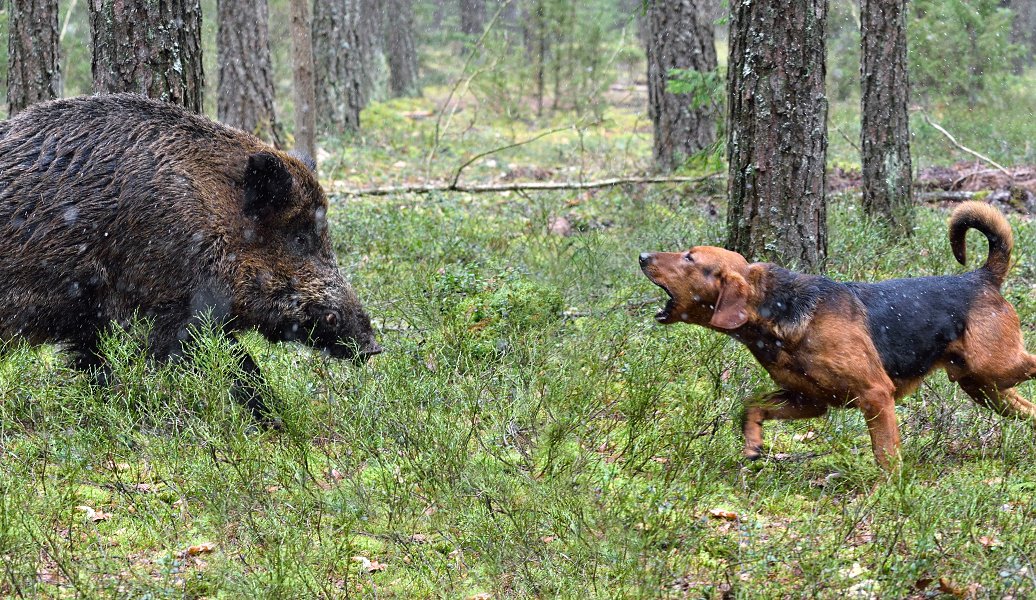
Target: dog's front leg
<point>775,405</point>
<point>879,409</point>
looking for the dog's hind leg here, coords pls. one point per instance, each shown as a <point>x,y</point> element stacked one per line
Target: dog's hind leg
<point>1007,402</point>
<point>783,405</point>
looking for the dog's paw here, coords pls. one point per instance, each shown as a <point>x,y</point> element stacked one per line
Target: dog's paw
<point>753,452</point>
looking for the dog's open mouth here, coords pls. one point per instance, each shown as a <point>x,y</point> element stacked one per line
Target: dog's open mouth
<point>664,314</point>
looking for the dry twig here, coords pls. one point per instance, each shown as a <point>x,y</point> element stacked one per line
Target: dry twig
<point>960,146</point>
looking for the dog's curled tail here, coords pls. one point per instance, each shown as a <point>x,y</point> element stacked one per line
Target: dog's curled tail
<point>988,220</point>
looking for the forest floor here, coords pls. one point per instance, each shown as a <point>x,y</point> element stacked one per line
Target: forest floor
<point>530,431</point>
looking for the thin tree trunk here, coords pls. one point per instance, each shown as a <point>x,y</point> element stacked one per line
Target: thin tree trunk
<point>305,90</point>
<point>536,47</point>
<point>1024,32</point>
<point>777,139</point>
<point>33,67</point>
<point>400,48</point>
<point>472,17</point>
<point>135,49</point>
<point>343,50</point>
<point>245,71</point>
<point>885,132</point>
<point>679,37</point>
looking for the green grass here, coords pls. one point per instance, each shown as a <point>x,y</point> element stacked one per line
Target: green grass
<point>531,432</point>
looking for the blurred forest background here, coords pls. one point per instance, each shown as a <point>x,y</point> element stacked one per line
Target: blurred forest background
<point>540,62</point>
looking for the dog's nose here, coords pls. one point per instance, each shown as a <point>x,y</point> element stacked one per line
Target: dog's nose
<point>645,258</point>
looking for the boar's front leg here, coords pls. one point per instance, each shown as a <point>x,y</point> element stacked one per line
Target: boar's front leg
<point>86,358</point>
<point>251,389</point>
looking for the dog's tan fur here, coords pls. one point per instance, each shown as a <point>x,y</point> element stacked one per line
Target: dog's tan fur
<point>822,352</point>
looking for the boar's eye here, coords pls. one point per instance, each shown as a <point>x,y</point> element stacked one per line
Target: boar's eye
<point>301,243</point>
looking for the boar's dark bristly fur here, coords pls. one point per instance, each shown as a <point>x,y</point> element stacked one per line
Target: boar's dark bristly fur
<point>115,207</point>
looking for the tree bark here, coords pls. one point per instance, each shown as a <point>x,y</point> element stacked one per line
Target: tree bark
<point>679,37</point>
<point>305,89</point>
<point>343,50</point>
<point>1024,32</point>
<point>885,131</point>
<point>246,88</point>
<point>472,17</point>
<point>400,48</point>
<point>535,17</point>
<point>136,48</point>
<point>777,138</point>
<point>33,65</point>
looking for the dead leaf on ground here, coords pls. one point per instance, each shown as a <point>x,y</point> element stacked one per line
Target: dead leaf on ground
<point>948,587</point>
<point>419,538</point>
<point>202,548</point>
<point>726,515</point>
<point>559,226</point>
<point>93,515</point>
<point>368,565</point>
<point>989,541</point>
<point>481,596</point>
<point>804,437</point>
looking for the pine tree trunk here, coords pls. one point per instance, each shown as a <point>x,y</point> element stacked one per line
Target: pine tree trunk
<point>245,71</point>
<point>305,88</point>
<point>885,132</point>
<point>33,68</point>
<point>679,37</point>
<point>472,17</point>
<point>135,49</point>
<point>1024,33</point>
<point>777,138</point>
<point>535,17</point>
<point>343,48</point>
<point>400,48</point>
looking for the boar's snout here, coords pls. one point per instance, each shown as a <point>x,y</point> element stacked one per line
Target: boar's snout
<point>339,333</point>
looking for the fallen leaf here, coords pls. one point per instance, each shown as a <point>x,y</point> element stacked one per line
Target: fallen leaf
<point>368,565</point>
<point>481,596</point>
<point>419,538</point>
<point>559,226</point>
<point>202,548</point>
<point>948,587</point>
<point>989,541</point>
<point>726,515</point>
<point>548,539</point>
<point>804,437</point>
<point>93,515</point>
<point>336,474</point>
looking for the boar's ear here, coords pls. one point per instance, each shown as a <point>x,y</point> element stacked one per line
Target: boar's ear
<point>305,159</point>
<point>267,184</point>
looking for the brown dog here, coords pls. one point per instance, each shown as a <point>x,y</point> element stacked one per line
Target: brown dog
<point>863,345</point>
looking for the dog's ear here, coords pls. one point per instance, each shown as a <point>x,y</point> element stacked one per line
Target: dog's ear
<point>731,307</point>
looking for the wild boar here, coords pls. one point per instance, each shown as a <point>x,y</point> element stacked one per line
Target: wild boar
<point>116,207</point>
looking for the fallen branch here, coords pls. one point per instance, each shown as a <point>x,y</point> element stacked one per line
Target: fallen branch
<point>947,196</point>
<point>960,146</point>
<point>520,186</point>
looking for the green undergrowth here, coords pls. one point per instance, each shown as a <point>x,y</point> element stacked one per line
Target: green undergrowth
<point>530,432</point>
